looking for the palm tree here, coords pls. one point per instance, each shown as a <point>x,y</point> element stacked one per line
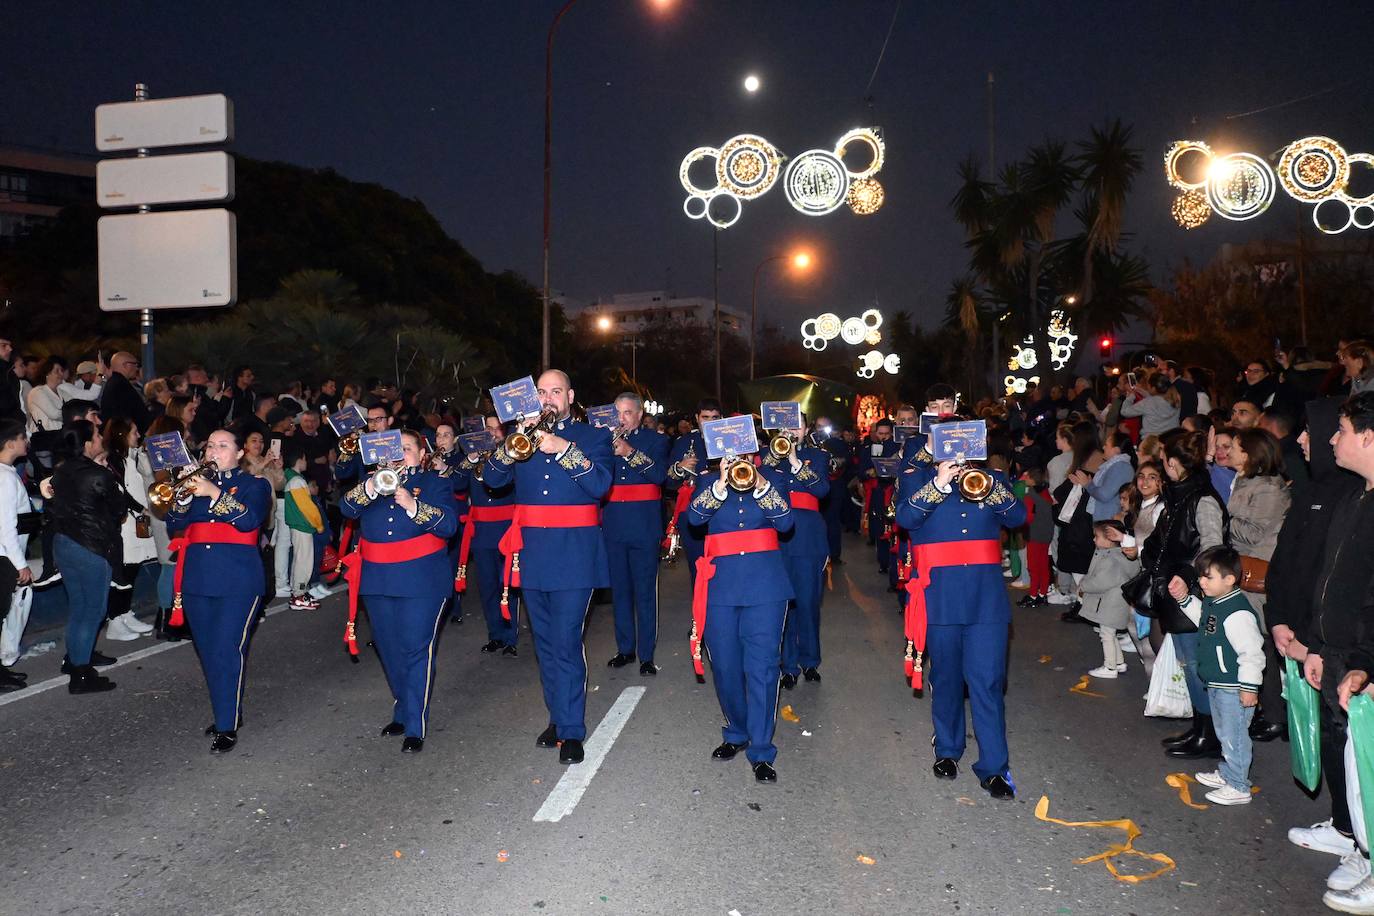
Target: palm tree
<point>1051,178</point>
<point>962,310</point>
<point>1109,165</point>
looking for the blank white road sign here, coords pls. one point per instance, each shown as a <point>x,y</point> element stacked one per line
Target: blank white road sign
<point>177,259</point>
<point>187,178</point>
<point>186,121</point>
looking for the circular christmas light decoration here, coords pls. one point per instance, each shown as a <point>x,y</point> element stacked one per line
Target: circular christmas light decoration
<point>1062,338</point>
<point>1175,153</point>
<point>853,331</point>
<point>828,325</point>
<point>1323,219</point>
<point>892,363</point>
<point>872,318</point>
<point>1366,160</point>
<point>694,206</point>
<point>873,337</point>
<point>1023,355</point>
<point>869,137</point>
<point>1240,186</point>
<point>724,222</point>
<point>1190,209</point>
<point>1313,169</point>
<point>691,159</point>
<point>816,182</point>
<point>865,196</point>
<point>1362,216</point>
<point>748,166</point>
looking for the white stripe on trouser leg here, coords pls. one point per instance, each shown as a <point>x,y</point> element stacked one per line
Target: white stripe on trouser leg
<point>565,796</point>
<point>429,672</point>
<point>238,691</point>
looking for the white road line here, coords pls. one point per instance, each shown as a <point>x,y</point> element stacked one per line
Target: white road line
<point>565,796</point>
<point>61,680</point>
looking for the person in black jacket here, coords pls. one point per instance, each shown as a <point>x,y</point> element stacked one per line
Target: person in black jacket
<point>87,506</point>
<point>120,398</point>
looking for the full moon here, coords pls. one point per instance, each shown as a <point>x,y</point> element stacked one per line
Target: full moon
<point>751,83</point>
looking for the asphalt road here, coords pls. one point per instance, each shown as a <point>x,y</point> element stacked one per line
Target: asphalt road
<point>112,803</point>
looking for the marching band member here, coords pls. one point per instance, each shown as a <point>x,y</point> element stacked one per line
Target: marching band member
<point>958,609</point>
<point>349,470</point>
<point>804,477</point>
<point>739,603</point>
<point>490,513</point>
<point>840,472</point>
<point>214,524</point>
<point>447,457</point>
<point>941,400</point>
<point>686,463</point>
<point>556,553</point>
<point>402,568</point>
<point>633,522</point>
<point>878,490</point>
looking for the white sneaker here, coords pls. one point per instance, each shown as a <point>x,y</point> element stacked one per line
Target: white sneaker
<point>1055,596</point>
<point>1359,899</point>
<point>1125,643</point>
<point>1353,869</point>
<point>1103,672</point>
<point>1211,780</point>
<point>1122,668</point>
<point>133,623</point>
<point>1228,796</point>
<point>320,590</point>
<point>119,632</point>
<point>1322,837</point>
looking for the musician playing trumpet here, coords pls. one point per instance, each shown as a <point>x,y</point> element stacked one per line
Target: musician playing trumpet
<point>479,550</point>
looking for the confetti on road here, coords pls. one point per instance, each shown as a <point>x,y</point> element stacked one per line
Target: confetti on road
<point>397,854</point>
<point>502,855</point>
<point>1127,848</point>
<point>866,860</point>
<point>965,800</point>
<point>1183,783</point>
<point>1081,688</point>
<point>1044,659</point>
<point>788,715</point>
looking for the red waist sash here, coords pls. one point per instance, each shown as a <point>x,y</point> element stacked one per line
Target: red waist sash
<point>757,540</point>
<point>376,552</point>
<point>926,557</point>
<point>476,514</point>
<point>202,533</point>
<point>538,517</point>
<point>635,492</point>
<point>805,501</point>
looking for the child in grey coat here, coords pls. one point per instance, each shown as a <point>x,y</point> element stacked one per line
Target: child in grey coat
<point>1103,602</point>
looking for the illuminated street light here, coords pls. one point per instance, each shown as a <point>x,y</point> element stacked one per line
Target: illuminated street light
<point>801,261</point>
<point>751,83</point>
<point>604,322</point>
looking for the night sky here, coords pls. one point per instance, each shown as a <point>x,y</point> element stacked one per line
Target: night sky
<point>443,102</point>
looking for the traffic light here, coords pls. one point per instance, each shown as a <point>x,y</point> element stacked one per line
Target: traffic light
<point>1104,348</point>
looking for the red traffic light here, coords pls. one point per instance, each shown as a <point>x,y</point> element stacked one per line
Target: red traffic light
<point>1106,343</point>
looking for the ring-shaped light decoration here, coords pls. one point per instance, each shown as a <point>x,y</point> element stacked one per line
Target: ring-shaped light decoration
<point>748,166</point>
<point>865,196</point>
<point>1177,150</point>
<point>721,222</point>
<point>872,360</point>
<point>1324,222</point>
<point>828,325</point>
<point>1362,216</point>
<point>1366,160</point>
<point>864,372</point>
<point>1061,339</point>
<point>695,156</point>
<point>1190,209</point>
<point>892,363</point>
<point>1240,186</point>
<point>853,331</point>
<point>872,318</point>
<point>1313,169</point>
<point>816,182</point>
<point>870,137</point>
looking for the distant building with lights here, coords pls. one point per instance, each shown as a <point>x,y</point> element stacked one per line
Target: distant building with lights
<point>35,185</point>
<point>629,314</point>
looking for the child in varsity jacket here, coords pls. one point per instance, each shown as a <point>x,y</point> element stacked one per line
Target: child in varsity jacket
<point>1230,661</point>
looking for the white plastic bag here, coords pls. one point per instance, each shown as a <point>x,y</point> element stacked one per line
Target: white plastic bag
<point>1168,694</point>
<point>1353,796</point>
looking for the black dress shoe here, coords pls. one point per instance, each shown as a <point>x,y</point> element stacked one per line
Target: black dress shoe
<point>11,680</point>
<point>210,729</point>
<point>86,680</point>
<point>223,742</point>
<point>570,751</point>
<point>1204,743</point>
<point>412,745</point>
<point>727,750</point>
<point>1261,729</point>
<point>510,651</point>
<point>647,669</point>
<point>98,660</point>
<point>764,772</point>
<point>998,787</point>
<point>620,660</point>
<point>1185,736</point>
<point>547,738</point>
<point>811,674</point>
<point>493,646</point>
<point>10,672</point>
<point>946,768</point>
<point>789,681</point>
<point>1026,601</point>
<point>392,729</point>
<point>456,620</point>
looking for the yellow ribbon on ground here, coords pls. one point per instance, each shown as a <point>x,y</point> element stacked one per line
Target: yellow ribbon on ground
<point>1127,848</point>
<point>1182,782</point>
<point>1081,688</point>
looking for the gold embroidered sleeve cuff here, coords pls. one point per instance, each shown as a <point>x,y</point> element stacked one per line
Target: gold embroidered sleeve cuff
<point>425,514</point>
<point>806,475</point>
<point>928,497</point>
<point>574,461</point>
<point>358,495</point>
<point>638,460</point>
<point>1000,496</point>
<point>502,456</point>
<point>773,503</point>
<point>227,505</point>
<point>706,501</point>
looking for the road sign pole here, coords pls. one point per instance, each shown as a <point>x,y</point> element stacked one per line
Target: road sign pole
<point>145,324</point>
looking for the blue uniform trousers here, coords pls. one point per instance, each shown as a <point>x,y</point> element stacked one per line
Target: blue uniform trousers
<point>220,629</point>
<point>455,609</point>
<point>556,621</point>
<point>743,642</point>
<point>634,596</point>
<point>486,565</point>
<point>801,636</point>
<point>972,655</point>
<point>832,508</point>
<point>405,630</point>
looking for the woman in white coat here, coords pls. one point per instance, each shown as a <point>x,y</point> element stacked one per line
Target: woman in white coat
<point>122,438</point>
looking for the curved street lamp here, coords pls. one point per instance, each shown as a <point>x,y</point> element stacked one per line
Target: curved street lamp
<point>801,261</point>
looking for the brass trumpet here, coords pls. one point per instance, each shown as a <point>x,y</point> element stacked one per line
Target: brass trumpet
<point>164,493</point>
<point>348,445</point>
<point>742,475</point>
<point>975,484</point>
<point>522,445</point>
<point>781,446</point>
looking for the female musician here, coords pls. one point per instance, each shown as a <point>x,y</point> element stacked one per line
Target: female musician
<point>219,583</point>
<point>445,461</point>
<point>406,577</point>
<point>480,552</point>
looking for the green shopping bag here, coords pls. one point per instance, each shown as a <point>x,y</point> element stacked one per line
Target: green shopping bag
<point>1304,726</point>
<point>1362,737</point>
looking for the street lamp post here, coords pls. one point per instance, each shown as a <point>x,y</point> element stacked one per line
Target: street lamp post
<point>800,260</point>
<point>544,359</point>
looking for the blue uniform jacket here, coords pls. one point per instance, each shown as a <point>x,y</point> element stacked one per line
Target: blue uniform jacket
<point>961,594</point>
<point>638,522</point>
<point>808,537</point>
<point>835,447</point>
<point>480,493</point>
<point>691,444</point>
<point>222,570</point>
<point>351,469</point>
<point>915,456</point>
<point>750,578</point>
<point>382,521</point>
<point>561,558</point>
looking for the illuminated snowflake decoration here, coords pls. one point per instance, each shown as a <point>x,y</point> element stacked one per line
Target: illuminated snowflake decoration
<point>865,196</point>
<point>1190,209</point>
